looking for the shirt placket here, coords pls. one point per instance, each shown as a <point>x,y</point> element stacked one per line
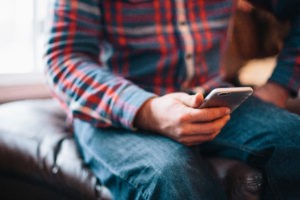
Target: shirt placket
<point>188,43</point>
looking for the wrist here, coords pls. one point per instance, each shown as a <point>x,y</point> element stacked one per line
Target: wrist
<point>143,115</point>
<point>282,91</point>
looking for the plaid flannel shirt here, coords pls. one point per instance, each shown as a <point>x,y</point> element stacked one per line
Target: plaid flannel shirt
<point>105,58</point>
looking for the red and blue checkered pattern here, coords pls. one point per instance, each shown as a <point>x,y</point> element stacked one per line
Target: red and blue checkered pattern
<point>105,58</point>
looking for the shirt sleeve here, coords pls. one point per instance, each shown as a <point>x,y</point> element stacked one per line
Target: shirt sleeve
<point>287,70</point>
<point>87,88</point>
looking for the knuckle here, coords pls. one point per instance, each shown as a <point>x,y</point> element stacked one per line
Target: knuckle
<point>181,119</point>
<point>220,112</point>
<point>179,133</point>
<point>209,138</point>
<point>212,137</point>
<point>221,123</point>
<point>224,122</point>
<point>228,118</point>
<point>215,129</point>
<point>182,140</point>
<point>206,115</point>
<point>186,117</point>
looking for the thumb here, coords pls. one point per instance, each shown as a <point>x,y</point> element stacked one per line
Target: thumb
<point>193,101</point>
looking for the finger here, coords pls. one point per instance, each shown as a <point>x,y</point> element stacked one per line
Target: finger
<point>206,128</point>
<point>198,139</point>
<point>206,114</point>
<point>195,139</point>
<point>193,101</point>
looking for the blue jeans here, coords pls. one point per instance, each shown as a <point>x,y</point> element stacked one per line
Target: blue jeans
<point>141,165</point>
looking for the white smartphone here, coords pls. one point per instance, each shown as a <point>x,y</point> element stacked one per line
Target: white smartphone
<point>227,97</point>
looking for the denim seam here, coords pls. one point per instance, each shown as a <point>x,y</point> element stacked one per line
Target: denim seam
<point>240,147</point>
<point>141,193</point>
<point>113,172</point>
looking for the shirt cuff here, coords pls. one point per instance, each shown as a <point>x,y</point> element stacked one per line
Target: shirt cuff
<point>133,98</point>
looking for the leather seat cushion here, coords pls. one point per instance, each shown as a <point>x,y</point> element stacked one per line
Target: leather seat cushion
<point>35,145</point>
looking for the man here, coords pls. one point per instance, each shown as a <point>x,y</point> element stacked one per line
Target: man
<point>122,68</point>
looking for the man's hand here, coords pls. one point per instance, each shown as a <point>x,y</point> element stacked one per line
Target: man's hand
<point>244,6</point>
<point>273,93</point>
<point>178,116</point>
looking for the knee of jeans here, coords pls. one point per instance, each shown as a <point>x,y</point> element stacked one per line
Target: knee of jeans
<point>182,176</point>
<point>286,134</point>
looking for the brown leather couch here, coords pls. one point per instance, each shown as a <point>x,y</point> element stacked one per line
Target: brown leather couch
<point>39,159</point>
<point>38,156</point>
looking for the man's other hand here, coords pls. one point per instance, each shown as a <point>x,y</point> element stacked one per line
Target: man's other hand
<point>178,116</point>
<point>273,93</point>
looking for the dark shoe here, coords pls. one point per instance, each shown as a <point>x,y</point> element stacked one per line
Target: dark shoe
<point>240,181</point>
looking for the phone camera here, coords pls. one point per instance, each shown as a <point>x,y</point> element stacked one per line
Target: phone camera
<point>223,94</point>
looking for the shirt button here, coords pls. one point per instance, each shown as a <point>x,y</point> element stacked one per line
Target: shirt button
<point>189,56</point>
<point>182,23</point>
